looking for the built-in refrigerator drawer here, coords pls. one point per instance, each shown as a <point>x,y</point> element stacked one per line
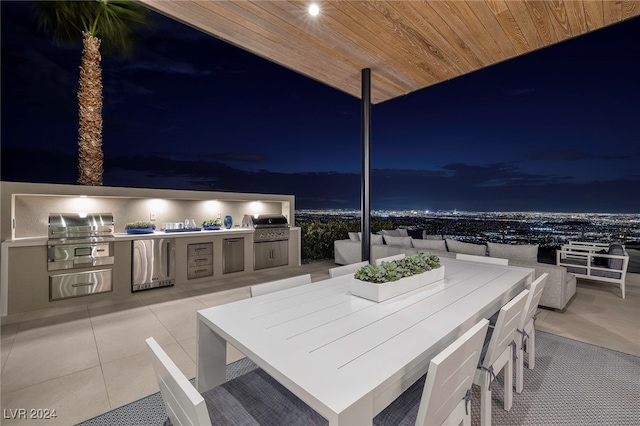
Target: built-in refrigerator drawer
<point>64,286</point>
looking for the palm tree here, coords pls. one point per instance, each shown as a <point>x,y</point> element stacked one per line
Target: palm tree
<point>96,22</point>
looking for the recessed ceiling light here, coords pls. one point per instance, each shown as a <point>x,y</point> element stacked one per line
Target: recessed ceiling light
<point>314,10</point>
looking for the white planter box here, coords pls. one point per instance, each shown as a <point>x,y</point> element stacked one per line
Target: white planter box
<point>382,292</point>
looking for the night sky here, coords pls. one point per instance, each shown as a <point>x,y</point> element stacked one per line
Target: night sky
<point>554,130</point>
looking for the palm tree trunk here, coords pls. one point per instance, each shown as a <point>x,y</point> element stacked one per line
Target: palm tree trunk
<point>90,155</point>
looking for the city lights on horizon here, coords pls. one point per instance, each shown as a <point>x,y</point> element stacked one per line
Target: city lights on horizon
<point>455,212</point>
<point>547,229</point>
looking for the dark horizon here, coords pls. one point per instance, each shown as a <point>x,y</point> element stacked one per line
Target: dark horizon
<point>551,131</point>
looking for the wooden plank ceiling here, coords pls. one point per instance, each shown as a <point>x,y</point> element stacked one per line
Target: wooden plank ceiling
<point>408,45</point>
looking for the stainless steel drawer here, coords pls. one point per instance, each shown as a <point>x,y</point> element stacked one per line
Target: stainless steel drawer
<point>199,249</point>
<point>200,271</point>
<point>200,260</point>
<point>76,284</point>
<point>232,255</point>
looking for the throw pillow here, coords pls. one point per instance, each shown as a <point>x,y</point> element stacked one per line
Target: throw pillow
<point>403,232</point>
<point>429,244</point>
<point>353,236</point>
<point>520,253</point>
<point>392,232</point>
<point>397,241</point>
<point>375,239</point>
<point>466,248</point>
<point>601,261</point>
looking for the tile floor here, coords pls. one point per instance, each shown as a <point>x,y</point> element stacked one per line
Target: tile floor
<point>597,315</point>
<point>85,360</point>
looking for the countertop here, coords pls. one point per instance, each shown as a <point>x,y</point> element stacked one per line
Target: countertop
<point>39,241</point>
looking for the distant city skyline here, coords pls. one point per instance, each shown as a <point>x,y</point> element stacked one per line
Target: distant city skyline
<point>554,130</point>
<point>544,228</point>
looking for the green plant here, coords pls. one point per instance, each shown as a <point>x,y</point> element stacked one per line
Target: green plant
<point>139,224</point>
<point>212,222</point>
<point>318,237</point>
<point>397,269</point>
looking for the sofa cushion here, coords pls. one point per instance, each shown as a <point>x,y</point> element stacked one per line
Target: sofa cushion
<point>466,248</point>
<point>606,274</point>
<point>403,232</point>
<point>616,249</point>
<point>354,236</point>
<point>521,252</point>
<point>392,232</point>
<point>397,241</point>
<point>429,244</point>
<point>375,238</point>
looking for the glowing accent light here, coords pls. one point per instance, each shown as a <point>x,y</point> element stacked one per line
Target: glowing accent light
<point>314,10</point>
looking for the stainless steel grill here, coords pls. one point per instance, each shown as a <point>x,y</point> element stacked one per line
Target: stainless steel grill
<point>268,227</point>
<point>71,227</point>
<point>81,245</point>
<point>270,239</point>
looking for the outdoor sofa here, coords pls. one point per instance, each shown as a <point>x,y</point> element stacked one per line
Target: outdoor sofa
<point>560,287</point>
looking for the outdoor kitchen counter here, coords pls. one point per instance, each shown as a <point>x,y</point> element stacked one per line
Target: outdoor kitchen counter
<point>202,233</point>
<point>41,241</point>
<point>24,278</point>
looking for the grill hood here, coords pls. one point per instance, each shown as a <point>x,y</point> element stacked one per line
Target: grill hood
<point>74,225</point>
<point>264,221</point>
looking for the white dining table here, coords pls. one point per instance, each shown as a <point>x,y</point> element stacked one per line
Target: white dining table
<point>345,356</point>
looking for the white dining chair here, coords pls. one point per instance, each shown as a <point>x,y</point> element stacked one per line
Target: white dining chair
<point>254,398</point>
<point>446,393</point>
<point>497,355</point>
<point>346,269</point>
<point>183,403</point>
<point>277,285</point>
<point>526,337</point>
<point>482,259</point>
<point>389,258</point>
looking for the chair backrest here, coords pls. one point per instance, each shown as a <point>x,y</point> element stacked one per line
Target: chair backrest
<point>271,286</point>
<point>346,269</point>
<point>389,258</point>
<point>450,375</point>
<point>535,292</point>
<point>184,405</point>
<point>505,328</point>
<point>483,259</point>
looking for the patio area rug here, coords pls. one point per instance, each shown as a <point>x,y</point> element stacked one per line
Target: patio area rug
<point>574,383</point>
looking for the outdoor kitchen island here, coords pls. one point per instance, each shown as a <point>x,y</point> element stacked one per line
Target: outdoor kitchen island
<point>199,255</point>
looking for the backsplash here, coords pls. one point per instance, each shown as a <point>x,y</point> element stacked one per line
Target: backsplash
<point>31,211</point>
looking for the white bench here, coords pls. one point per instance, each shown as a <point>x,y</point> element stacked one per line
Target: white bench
<point>580,259</point>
